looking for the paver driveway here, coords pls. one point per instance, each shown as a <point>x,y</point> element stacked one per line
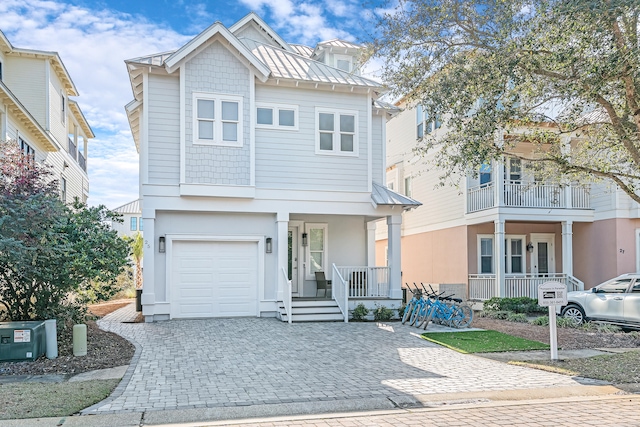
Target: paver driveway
<point>252,361</point>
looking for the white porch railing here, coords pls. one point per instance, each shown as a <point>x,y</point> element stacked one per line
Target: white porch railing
<point>340,292</point>
<point>286,296</point>
<point>529,195</point>
<point>484,286</point>
<point>480,198</point>
<point>366,282</point>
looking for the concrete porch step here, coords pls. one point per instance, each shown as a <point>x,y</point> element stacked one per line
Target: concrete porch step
<point>313,317</point>
<point>312,310</point>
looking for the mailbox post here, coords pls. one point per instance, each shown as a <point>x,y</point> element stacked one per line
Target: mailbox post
<point>551,294</point>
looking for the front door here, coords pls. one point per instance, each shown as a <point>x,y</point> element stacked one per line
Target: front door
<point>543,260</point>
<point>292,262</point>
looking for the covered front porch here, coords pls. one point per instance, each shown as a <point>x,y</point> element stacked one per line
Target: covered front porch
<point>520,256</point>
<point>333,257</point>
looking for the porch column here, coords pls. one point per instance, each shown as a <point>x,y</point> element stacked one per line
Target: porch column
<point>567,247</point>
<point>498,261</point>
<point>498,176</point>
<point>395,268</point>
<point>148,298</point>
<point>282,248</point>
<point>371,244</point>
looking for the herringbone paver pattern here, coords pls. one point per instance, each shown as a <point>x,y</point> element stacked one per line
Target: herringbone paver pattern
<point>251,361</point>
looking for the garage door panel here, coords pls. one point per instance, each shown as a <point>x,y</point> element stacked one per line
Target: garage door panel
<point>211,279</point>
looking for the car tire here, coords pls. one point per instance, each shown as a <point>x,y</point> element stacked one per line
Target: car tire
<point>575,313</point>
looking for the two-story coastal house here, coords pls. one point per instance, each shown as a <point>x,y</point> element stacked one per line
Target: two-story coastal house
<point>132,223</point>
<point>506,230</point>
<point>262,170</point>
<point>37,112</point>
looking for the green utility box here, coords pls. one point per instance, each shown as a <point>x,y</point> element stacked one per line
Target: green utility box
<point>21,341</point>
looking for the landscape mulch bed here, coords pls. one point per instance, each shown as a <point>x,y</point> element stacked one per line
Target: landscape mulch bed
<point>104,350</point>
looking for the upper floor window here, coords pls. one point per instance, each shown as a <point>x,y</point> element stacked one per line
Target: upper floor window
<point>336,132</point>
<point>485,174</point>
<point>134,223</point>
<point>408,183</point>
<point>344,62</point>
<point>26,149</point>
<point>63,107</point>
<point>140,224</point>
<point>277,116</point>
<point>63,190</point>
<point>426,124</point>
<point>217,119</point>
<point>0,71</point>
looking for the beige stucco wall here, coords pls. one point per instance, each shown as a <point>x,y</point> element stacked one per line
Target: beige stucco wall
<point>604,249</point>
<point>433,257</point>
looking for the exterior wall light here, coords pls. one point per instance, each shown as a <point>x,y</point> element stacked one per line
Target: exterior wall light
<point>530,247</point>
<point>305,239</point>
<point>162,245</point>
<point>269,245</point>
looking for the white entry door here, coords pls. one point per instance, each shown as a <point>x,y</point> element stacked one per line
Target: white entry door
<point>543,256</point>
<point>214,279</point>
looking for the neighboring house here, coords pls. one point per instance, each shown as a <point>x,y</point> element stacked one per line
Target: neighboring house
<point>131,219</point>
<point>505,231</point>
<point>260,166</point>
<point>37,112</point>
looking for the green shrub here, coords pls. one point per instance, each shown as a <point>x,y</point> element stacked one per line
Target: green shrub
<point>382,313</point>
<point>541,321</point>
<point>359,313</point>
<point>401,310</point>
<point>565,322</point>
<point>501,314</point>
<point>600,327</point>
<point>517,317</point>
<point>517,305</point>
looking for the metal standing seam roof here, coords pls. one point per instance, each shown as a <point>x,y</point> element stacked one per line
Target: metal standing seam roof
<point>339,43</point>
<point>287,65</point>
<point>381,195</point>
<point>129,208</point>
<point>302,50</point>
<point>156,59</point>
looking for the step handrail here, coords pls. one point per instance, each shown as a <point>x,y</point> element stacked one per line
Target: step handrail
<point>340,292</point>
<point>286,298</point>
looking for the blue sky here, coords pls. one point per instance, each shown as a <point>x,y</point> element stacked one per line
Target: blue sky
<point>94,38</point>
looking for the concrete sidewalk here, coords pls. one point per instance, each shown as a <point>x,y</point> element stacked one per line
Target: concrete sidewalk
<point>609,410</point>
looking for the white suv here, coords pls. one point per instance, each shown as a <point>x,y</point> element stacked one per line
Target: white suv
<point>615,301</point>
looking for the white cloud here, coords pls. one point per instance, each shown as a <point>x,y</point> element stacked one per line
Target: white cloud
<point>93,45</point>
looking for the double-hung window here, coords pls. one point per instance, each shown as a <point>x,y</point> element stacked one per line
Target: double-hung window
<point>63,107</point>
<point>26,149</point>
<point>217,119</point>
<point>344,62</point>
<point>425,124</point>
<point>408,190</point>
<point>134,223</point>
<point>514,255</point>
<point>337,132</point>
<point>486,255</point>
<point>277,116</point>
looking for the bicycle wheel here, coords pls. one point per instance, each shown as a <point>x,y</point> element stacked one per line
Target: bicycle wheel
<point>414,314</point>
<point>407,312</point>
<point>423,315</point>
<point>463,316</point>
<point>431,312</point>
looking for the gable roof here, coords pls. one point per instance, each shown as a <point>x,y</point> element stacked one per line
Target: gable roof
<point>252,16</point>
<point>173,61</point>
<point>302,50</point>
<point>129,208</point>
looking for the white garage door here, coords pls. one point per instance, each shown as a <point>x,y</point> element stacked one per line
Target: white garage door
<point>214,279</point>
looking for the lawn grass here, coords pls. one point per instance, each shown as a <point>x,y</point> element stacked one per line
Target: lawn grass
<point>38,400</point>
<point>482,341</point>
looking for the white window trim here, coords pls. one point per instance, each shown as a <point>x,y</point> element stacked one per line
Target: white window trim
<point>507,249</point>
<point>276,110</point>
<point>479,255</point>
<point>336,132</point>
<point>218,98</point>
<point>349,58</point>
<point>325,259</point>
<point>63,106</point>
<point>433,122</point>
<point>408,189</point>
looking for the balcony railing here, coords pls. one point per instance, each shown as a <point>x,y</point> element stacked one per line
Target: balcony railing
<point>528,195</point>
<point>366,282</point>
<point>82,162</point>
<point>73,149</point>
<point>485,286</point>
